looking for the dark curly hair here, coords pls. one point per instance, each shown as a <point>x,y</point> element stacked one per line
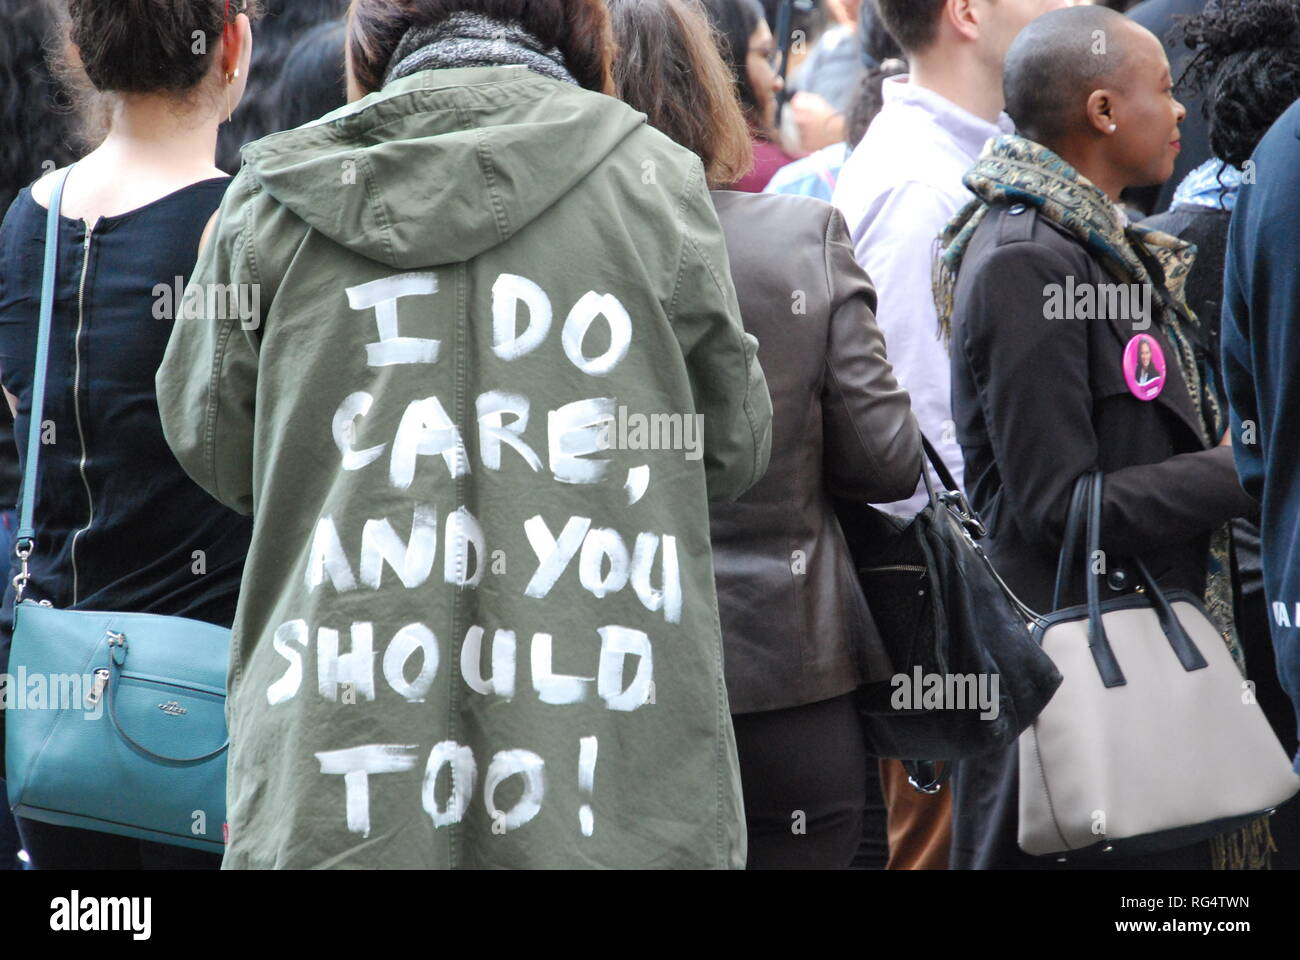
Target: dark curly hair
<point>1248,67</point>
<point>36,117</point>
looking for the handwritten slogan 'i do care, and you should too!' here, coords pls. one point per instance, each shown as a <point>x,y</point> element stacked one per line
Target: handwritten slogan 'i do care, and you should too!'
<point>640,564</point>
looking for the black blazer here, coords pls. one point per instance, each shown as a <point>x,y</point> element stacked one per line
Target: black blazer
<point>1037,402</point>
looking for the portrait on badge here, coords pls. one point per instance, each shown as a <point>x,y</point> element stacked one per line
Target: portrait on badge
<point>1144,367</point>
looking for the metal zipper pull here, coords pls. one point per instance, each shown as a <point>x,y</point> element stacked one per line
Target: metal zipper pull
<point>97,690</point>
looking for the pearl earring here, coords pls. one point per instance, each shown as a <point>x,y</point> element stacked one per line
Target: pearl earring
<point>1113,128</point>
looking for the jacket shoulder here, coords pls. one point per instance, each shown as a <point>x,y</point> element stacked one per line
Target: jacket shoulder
<point>795,219</point>
<point>1011,231</point>
<point>648,146</point>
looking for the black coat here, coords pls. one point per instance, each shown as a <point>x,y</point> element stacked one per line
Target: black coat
<point>1037,402</point>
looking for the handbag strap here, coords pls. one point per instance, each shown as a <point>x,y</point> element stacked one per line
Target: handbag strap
<point>936,461</point>
<point>1086,503</point>
<point>23,541</point>
<point>1098,642</point>
<point>951,495</point>
<point>1076,520</point>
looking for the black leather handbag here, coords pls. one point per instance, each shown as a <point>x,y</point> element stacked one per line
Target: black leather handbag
<point>954,632</point>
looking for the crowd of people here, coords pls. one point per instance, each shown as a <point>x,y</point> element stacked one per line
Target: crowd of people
<point>466,250</point>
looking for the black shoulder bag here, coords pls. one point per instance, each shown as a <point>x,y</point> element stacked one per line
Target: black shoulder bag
<point>968,677</point>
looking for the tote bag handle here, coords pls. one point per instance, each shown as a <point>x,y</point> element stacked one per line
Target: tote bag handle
<point>1085,510</point>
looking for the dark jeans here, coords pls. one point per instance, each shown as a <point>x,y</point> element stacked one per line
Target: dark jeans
<point>68,848</point>
<point>804,775</point>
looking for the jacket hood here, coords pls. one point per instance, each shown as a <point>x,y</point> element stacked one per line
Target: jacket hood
<point>441,166</point>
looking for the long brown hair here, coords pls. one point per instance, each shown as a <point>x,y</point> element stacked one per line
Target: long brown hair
<point>669,67</point>
<point>578,28</point>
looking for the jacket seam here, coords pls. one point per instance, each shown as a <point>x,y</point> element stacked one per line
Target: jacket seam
<point>829,276</point>
<point>376,204</point>
<point>747,403</point>
<point>484,153</point>
<point>246,251</point>
<point>250,248</point>
<point>722,717</point>
<point>214,383</point>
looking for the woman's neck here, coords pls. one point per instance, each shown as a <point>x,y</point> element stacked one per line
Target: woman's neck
<point>1085,155</point>
<point>156,132</point>
<point>154,147</point>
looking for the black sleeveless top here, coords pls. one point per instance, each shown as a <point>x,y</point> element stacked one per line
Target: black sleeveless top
<point>119,526</point>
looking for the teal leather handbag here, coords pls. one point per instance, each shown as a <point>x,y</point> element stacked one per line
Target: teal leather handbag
<point>116,722</point>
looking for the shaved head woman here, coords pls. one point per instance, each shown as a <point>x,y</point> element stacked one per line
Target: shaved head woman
<point>1042,395</point>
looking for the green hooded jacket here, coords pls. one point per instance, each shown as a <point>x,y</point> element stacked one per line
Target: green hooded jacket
<point>436,346</point>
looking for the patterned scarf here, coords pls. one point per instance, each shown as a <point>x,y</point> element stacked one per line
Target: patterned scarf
<point>1015,170</point>
<point>472,40</point>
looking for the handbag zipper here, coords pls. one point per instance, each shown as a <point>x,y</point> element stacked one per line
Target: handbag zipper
<point>153,681</point>
<point>97,689</point>
<point>76,402</point>
<point>102,677</point>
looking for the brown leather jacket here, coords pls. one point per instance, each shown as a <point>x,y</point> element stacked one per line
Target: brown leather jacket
<point>787,593</point>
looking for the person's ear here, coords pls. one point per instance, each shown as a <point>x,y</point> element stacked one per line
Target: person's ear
<point>961,16</point>
<point>1101,111</point>
<point>236,46</point>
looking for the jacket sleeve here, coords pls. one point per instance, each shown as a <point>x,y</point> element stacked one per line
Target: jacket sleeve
<point>1037,403</point>
<point>872,446</point>
<point>208,378</point>
<point>1238,374</point>
<point>729,388</point>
